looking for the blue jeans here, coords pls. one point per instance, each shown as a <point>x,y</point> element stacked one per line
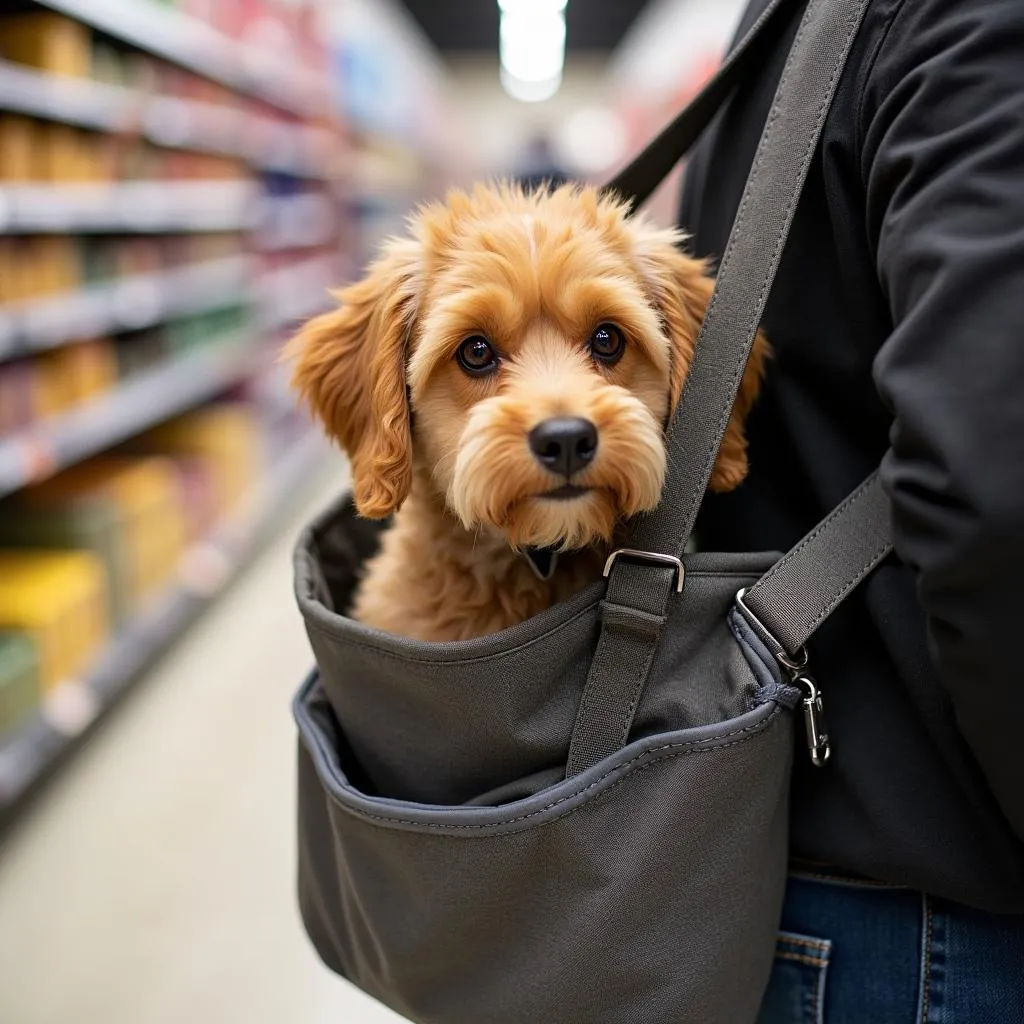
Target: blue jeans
<point>853,952</point>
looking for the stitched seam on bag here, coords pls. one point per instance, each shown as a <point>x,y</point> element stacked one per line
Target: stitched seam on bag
<point>326,632</point>
<point>310,589</point>
<point>638,689</point>
<point>694,748</point>
<point>809,627</point>
<point>751,655</point>
<point>850,584</point>
<point>817,531</point>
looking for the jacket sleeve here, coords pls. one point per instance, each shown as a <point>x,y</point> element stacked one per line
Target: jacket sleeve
<point>942,159</point>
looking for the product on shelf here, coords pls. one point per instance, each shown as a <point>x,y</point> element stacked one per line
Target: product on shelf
<point>19,680</point>
<point>79,523</point>
<point>17,148</point>
<point>48,42</point>
<point>17,408</point>
<point>224,436</point>
<point>102,280</point>
<point>188,333</point>
<point>58,600</point>
<point>70,376</point>
<point>54,382</point>
<point>127,511</point>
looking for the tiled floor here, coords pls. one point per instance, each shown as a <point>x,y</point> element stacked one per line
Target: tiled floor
<point>153,882</point>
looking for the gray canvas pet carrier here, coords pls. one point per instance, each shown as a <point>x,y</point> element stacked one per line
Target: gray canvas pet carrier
<point>583,818</point>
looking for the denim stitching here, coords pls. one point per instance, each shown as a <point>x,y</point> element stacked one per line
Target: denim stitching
<point>799,940</point>
<point>803,958</point>
<point>926,960</point>
<point>819,994</point>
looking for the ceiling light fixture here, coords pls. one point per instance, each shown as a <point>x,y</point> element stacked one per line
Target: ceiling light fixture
<point>532,47</point>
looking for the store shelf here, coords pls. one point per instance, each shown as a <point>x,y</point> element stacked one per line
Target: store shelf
<point>191,43</point>
<point>71,100</point>
<point>206,570</point>
<point>166,121</point>
<point>128,303</point>
<point>295,291</point>
<point>152,397</point>
<point>296,222</point>
<point>132,206</point>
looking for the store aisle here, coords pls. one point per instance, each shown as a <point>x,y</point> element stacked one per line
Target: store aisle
<point>153,883</point>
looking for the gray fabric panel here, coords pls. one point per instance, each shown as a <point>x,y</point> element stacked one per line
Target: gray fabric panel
<point>650,893</point>
<point>748,266</point>
<point>801,590</point>
<point>449,723</point>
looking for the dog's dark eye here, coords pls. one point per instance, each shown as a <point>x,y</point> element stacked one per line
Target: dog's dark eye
<point>607,344</point>
<point>476,356</point>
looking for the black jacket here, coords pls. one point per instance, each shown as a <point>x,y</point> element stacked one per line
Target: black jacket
<point>897,320</point>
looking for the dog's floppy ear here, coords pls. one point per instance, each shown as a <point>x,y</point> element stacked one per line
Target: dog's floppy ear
<point>349,366</point>
<point>681,289</point>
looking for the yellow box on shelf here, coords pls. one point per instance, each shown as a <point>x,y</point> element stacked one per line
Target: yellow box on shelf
<point>144,498</point>
<point>59,600</point>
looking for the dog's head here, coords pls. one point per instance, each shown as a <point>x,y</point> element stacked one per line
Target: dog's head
<point>521,353</point>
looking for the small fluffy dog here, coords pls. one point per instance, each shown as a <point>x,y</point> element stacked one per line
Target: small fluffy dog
<point>501,381</point>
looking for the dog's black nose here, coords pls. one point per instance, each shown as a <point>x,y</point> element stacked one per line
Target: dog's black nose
<point>564,444</point>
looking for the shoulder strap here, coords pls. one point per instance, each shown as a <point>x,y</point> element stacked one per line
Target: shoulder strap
<point>792,599</point>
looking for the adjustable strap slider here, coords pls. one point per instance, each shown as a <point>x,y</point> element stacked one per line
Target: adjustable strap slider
<point>650,558</point>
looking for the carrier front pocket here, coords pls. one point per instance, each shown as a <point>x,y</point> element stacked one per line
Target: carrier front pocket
<point>612,897</point>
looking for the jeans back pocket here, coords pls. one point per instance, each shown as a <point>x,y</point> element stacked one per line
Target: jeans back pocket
<point>796,990</point>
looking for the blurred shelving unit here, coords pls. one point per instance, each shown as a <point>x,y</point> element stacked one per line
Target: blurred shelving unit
<point>69,711</point>
<point>181,183</point>
<point>172,203</point>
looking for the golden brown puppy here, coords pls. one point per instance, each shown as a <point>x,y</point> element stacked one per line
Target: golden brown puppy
<point>501,380</point>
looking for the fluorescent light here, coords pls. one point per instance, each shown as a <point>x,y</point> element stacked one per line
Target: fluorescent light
<point>532,6</point>
<point>532,47</point>
<point>530,92</point>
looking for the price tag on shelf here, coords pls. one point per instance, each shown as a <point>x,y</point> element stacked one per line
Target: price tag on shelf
<point>70,708</point>
<point>38,459</point>
<point>168,121</point>
<point>138,302</point>
<point>79,314</point>
<point>204,570</point>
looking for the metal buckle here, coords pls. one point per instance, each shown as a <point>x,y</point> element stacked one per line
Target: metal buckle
<point>794,666</point>
<point>652,558</point>
<point>818,745</point>
<point>815,726</point>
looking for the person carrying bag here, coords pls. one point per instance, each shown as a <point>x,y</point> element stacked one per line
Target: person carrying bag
<point>584,818</point>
